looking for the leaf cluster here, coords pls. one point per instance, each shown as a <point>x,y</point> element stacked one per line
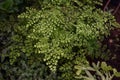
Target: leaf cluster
<point>99,71</point>
<point>60,32</point>
<point>57,37</point>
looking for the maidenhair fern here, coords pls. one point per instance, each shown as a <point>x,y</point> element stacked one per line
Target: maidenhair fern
<point>57,32</point>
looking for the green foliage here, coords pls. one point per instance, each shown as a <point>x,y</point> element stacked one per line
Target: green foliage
<point>6,31</point>
<point>99,71</point>
<point>66,67</point>
<point>55,38</point>
<point>10,8</point>
<point>26,69</point>
<point>7,4</point>
<point>60,32</point>
<point>67,2</point>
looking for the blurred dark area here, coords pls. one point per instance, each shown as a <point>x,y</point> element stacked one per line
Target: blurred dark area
<point>113,41</point>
